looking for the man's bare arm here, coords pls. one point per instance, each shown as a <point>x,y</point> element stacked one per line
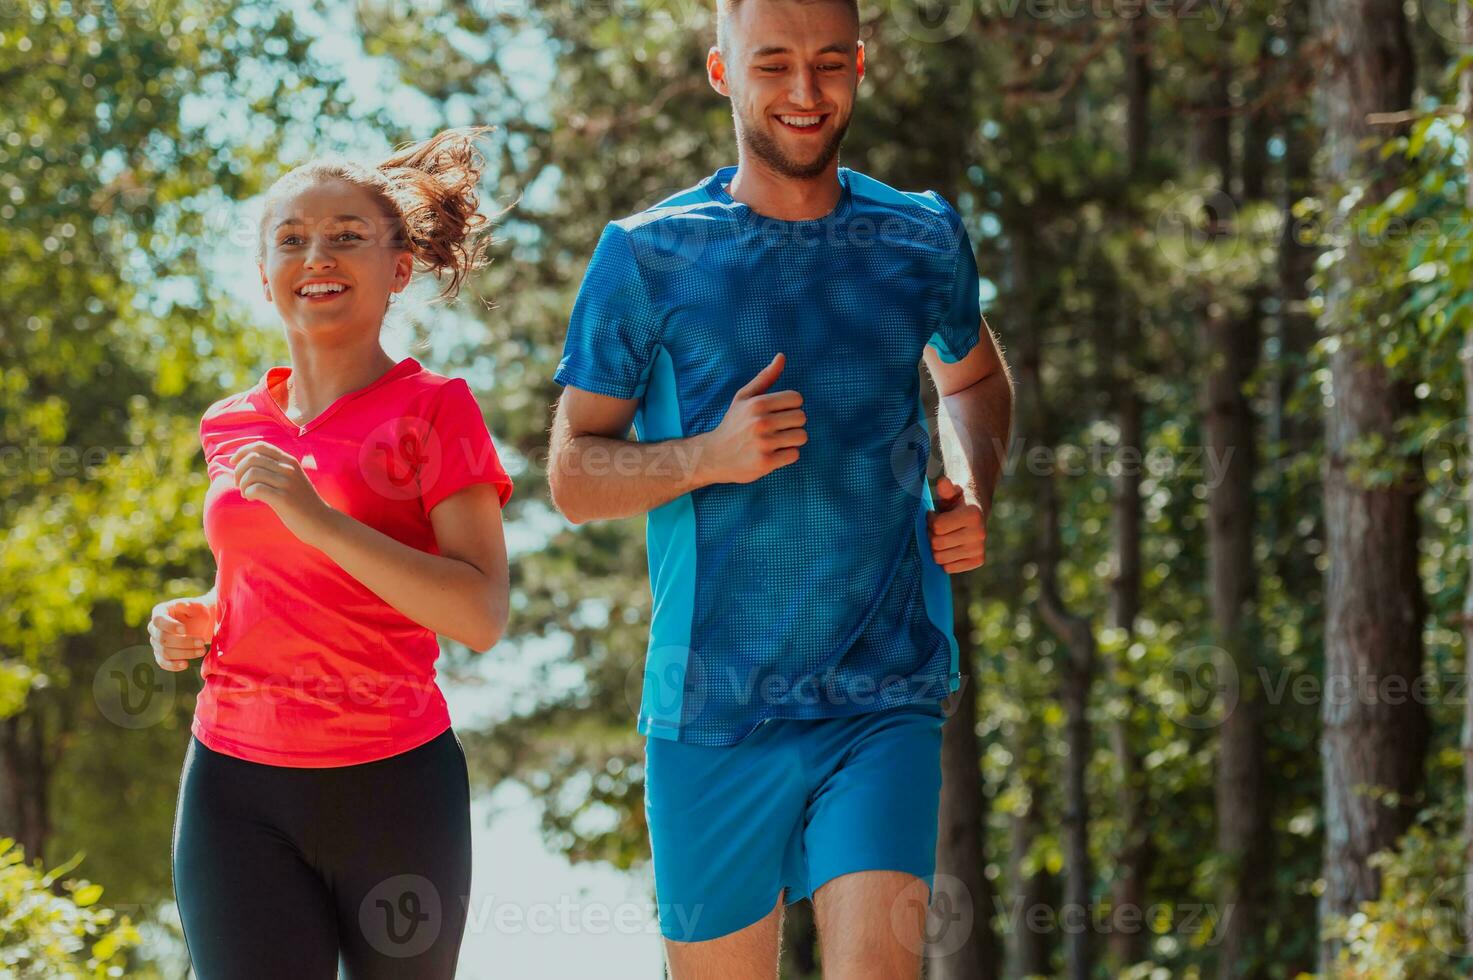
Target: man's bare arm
<point>596,473</point>
<point>975,419</point>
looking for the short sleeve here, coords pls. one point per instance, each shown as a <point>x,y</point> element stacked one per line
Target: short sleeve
<point>459,450</point>
<point>204,437</point>
<point>209,442</point>
<point>959,327</point>
<point>613,330</point>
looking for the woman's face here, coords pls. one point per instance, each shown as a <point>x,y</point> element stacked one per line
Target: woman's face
<point>330,261</point>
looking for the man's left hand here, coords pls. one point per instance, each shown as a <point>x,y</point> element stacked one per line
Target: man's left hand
<point>958,530</point>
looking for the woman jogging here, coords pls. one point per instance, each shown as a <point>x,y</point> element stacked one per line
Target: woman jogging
<point>354,512</point>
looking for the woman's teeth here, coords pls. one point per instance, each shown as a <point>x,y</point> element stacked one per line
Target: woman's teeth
<point>321,289</point>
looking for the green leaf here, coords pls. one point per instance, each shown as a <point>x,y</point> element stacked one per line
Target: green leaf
<point>1418,138</point>
<point>1401,200</point>
<point>87,895</point>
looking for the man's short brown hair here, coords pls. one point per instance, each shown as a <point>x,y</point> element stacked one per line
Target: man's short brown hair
<point>725,7</point>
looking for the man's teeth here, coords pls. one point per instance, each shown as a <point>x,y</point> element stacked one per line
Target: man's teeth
<point>803,121</point>
<point>321,288</point>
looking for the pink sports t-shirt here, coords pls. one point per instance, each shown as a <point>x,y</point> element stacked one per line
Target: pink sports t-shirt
<point>308,667</point>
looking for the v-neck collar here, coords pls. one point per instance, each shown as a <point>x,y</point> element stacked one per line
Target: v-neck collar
<point>278,374</point>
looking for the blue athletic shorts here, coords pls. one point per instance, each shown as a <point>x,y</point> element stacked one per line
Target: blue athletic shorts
<point>794,805</point>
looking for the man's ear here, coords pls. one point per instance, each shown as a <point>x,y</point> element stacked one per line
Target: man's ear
<point>859,63</point>
<point>716,71</point>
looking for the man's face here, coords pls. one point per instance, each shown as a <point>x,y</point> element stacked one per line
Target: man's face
<point>791,71</point>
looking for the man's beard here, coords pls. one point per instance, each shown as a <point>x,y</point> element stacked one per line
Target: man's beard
<point>767,149</point>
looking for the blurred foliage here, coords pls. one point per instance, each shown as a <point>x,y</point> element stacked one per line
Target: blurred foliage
<point>128,129</point>
<point>1419,314</point>
<point>1414,931</point>
<point>1017,122</point>
<point>52,928</point>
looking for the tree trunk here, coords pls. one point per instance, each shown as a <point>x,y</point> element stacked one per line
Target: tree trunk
<point>27,773</point>
<point>1375,607</point>
<point>1466,354</point>
<point>1078,872</point>
<point>961,845</point>
<point>1291,433</point>
<point>964,897</point>
<point>1230,347</point>
<point>1076,638</point>
<point>800,942</point>
<point>1128,895</point>
<point>1028,947</point>
<point>1127,940</point>
<point>1138,82</point>
<point>1137,853</point>
<point>1295,421</point>
<point>1241,800</point>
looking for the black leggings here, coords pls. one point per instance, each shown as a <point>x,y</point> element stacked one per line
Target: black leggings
<point>278,870</point>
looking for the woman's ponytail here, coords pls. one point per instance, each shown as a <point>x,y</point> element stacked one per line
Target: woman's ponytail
<point>434,186</point>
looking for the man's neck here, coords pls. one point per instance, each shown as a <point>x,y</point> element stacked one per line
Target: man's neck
<point>776,195</point>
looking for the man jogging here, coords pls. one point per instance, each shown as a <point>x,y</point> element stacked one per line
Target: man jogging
<point>762,332</point>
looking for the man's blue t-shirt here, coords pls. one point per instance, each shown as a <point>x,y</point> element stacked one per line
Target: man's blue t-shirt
<point>811,592</point>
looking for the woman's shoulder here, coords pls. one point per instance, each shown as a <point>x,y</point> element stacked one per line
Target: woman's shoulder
<point>431,387</point>
<point>223,409</point>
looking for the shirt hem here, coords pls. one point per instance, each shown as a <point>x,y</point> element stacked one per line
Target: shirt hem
<point>334,760</point>
<point>613,389</point>
<point>651,728</point>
